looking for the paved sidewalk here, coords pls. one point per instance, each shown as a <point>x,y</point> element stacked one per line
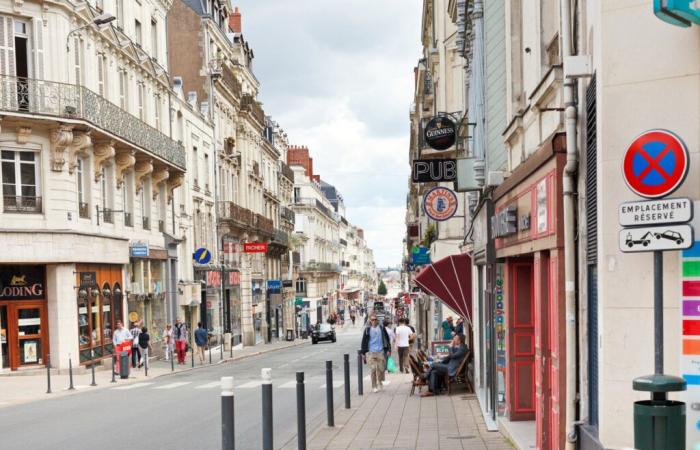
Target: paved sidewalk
<point>394,420</point>
<point>15,388</point>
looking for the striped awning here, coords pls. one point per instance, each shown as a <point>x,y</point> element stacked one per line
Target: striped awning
<point>450,280</point>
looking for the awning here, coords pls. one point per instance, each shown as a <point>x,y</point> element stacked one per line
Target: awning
<point>450,280</point>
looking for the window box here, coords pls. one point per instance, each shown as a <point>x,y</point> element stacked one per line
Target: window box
<point>22,205</point>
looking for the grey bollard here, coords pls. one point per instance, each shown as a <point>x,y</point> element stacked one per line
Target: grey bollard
<point>48,374</point>
<point>346,369</point>
<point>230,346</point>
<point>92,368</point>
<point>209,345</point>
<point>301,412</point>
<point>329,393</point>
<point>227,418</point>
<point>172,361</point>
<point>70,374</point>
<point>192,358</point>
<point>221,348</point>
<point>267,428</point>
<point>114,365</point>
<point>360,383</point>
<point>145,361</point>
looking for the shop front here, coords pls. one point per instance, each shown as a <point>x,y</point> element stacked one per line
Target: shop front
<point>100,306</point>
<point>146,301</point>
<point>24,334</point>
<point>528,234</point>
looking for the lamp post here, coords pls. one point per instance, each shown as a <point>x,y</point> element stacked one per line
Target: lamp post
<point>102,19</point>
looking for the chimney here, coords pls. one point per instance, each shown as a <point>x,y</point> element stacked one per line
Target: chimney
<point>234,21</point>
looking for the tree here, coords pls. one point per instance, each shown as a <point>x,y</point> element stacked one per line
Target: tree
<point>381,290</point>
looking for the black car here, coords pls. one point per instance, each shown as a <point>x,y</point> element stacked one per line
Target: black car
<point>323,332</point>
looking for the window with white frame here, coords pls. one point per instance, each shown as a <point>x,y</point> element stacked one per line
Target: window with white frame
<point>156,111</point>
<point>124,90</point>
<point>82,180</point>
<point>77,60</point>
<point>195,168</point>
<point>154,38</point>
<point>206,171</point>
<point>106,195</point>
<point>20,181</point>
<point>146,205</point>
<point>142,100</point>
<point>137,32</point>
<point>102,74</point>
<point>120,12</point>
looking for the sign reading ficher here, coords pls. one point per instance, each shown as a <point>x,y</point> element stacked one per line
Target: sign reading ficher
<point>656,212</point>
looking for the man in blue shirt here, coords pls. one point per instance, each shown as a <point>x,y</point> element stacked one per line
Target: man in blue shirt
<point>201,338</point>
<point>375,344</point>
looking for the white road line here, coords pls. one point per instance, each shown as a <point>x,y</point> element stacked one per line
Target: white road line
<point>284,365</point>
<point>131,386</point>
<point>211,385</point>
<point>336,384</point>
<point>249,385</point>
<point>288,385</point>
<point>173,385</point>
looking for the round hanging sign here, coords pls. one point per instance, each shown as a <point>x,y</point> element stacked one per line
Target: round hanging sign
<point>440,133</point>
<point>440,203</point>
<point>655,164</point>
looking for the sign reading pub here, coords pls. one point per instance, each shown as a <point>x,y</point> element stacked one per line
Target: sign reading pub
<point>440,133</point>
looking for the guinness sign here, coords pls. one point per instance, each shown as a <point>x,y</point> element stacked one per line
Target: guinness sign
<point>440,133</point>
<point>22,282</point>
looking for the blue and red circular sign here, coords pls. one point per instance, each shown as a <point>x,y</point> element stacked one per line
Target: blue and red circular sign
<point>655,164</point>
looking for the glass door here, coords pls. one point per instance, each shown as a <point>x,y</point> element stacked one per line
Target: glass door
<point>29,337</point>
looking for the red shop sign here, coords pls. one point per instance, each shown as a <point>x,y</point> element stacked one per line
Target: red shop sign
<point>255,247</point>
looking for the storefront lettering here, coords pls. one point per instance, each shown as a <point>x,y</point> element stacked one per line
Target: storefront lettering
<point>35,290</point>
<point>504,223</point>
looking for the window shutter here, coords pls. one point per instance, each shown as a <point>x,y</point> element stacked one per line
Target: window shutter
<point>7,46</point>
<point>38,48</point>
<point>591,175</point>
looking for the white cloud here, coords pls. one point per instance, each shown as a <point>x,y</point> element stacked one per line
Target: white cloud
<point>338,77</point>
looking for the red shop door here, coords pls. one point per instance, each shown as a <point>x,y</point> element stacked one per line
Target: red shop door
<point>543,357</point>
<point>521,336</point>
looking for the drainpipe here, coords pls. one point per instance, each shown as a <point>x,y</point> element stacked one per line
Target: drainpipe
<point>569,185</point>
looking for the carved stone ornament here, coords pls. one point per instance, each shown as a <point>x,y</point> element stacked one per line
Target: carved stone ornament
<point>103,152</point>
<point>141,170</point>
<point>60,138</point>
<point>23,133</point>
<point>79,146</point>
<point>124,161</point>
<point>158,177</point>
<point>174,182</point>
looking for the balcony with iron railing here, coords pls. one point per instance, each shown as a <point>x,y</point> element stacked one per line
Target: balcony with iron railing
<point>107,215</point>
<point>248,103</point>
<point>228,78</point>
<point>280,238</point>
<point>21,204</point>
<point>264,225</point>
<point>229,211</point>
<point>315,203</point>
<point>313,266</point>
<point>287,172</point>
<point>287,214</point>
<point>69,101</point>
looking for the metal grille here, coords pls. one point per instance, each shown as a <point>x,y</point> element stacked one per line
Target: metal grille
<point>591,175</point>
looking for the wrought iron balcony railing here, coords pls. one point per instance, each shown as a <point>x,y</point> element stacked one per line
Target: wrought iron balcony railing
<point>313,266</point>
<point>107,215</point>
<point>287,214</point>
<point>264,225</point>
<point>281,238</point>
<point>22,204</point>
<point>312,202</point>
<point>50,98</point>
<point>228,210</point>
<point>249,103</point>
<point>287,172</point>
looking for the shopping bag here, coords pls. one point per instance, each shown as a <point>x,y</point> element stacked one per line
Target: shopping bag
<point>391,365</point>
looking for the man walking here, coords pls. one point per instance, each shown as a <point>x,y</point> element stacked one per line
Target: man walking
<point>201,337</point>
<point>403,336</point>
<point>180,337</point>
<point>375,344</point>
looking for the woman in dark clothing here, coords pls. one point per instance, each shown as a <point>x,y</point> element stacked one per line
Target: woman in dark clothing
<point>144,345</point>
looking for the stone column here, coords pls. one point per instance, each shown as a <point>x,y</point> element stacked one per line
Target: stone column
<point>63,314</point>
<point>247,327</point>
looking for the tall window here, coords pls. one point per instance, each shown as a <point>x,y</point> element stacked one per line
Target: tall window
<point>142,99</point>
<point>128,199</point>
<point>120,12</point>
<point>154,39</point>
<point>77,59</point>
<point>106,194</point>
<point>20,181</point>
<point>137,32</point>
<point>195,168</point>
<point>156,111</point>
<point>123,90</point>
<point>206,171</point>
<point>83,207</point>
<point>102,75</point>
<point>146,205</point>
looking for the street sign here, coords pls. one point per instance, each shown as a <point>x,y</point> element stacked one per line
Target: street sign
<point>202,255</point>
<point>655,164</point>
<point>656,212</point>
<point>139,249</point>
<point>440,203</point>
<point>647,239</point>
<point>433,170</point>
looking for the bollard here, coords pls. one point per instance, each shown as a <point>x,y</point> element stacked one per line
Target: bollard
<point>360,383</point>
<point>172,361</point>
<point>114,364</point>
<point>221,348</point>
<point>145,361</point>
<point>92,368</point>
<point>192,353</point>
<point>267,408</point>
<point>209,353</point>
<point>48,374</point>
<point>329,393</point>
<point>70,374</point>
<point>227,419</point>
<point>231,346</point>
<point>301,412</point>
<point>346,363</point>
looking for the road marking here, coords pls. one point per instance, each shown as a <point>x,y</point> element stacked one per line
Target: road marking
<point>336,384</point>
<point>250,385</point>
<point>211,385</point>
<point>288,385</point>
<point>131,386</point>
<point>173,385</point>
<point>284,365</point>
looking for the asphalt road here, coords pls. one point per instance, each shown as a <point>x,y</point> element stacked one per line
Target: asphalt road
<point>183,411</point>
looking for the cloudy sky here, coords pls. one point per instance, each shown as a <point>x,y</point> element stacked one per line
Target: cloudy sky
<point>337,75</point>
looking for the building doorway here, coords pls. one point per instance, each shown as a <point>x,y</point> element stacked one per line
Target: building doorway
<point>24,329</point>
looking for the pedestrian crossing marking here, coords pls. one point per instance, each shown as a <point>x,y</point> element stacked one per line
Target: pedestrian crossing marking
<point>173,385</point>
<point>288,385</point>
<point>132,386</point>
<point>211,385</point>
<point>250,384</point>
<point>336,384</point>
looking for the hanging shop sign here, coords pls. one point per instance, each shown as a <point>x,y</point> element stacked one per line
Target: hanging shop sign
<point>287,283</point>
<point>87,279</point>
<point>255,247</point>
<point>274,285</point>
<point>434,170</point>
<point>440,133</point>
<point>201,255</point>
<point>505,222</point>
<point>440,203</point>
<point>656,212</point>
<point>655,164</point>
<point>420,256</point>
<point>21,282</point>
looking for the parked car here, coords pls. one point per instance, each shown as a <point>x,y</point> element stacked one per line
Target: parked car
<point>323,332</point>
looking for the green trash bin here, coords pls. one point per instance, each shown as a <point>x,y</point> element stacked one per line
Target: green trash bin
<point>659,423</point>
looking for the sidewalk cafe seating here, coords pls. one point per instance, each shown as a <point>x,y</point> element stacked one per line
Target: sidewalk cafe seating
<point>417,371</point>
<point>461,377</point>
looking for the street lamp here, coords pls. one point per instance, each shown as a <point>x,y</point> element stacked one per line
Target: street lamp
<point>102,19</point>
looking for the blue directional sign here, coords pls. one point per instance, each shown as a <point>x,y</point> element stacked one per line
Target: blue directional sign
<point>682,13</point>
<point>202,255</point>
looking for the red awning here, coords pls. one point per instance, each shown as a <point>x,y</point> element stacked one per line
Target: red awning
<point>450,280</point>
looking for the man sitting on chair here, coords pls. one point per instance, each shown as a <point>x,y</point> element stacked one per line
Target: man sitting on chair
<point>448,365</point>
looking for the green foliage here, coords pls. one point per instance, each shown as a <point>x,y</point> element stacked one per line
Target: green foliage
<point>381,290</point>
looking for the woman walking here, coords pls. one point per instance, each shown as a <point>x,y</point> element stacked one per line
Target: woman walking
<point>168,341</point>
<point>135,349</point>
<point>144,345</point>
